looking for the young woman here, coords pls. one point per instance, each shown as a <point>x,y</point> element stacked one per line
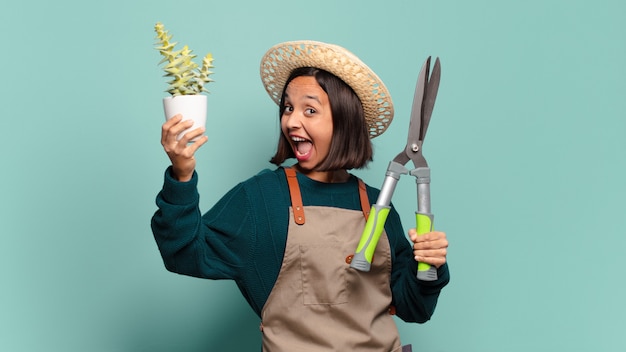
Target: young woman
<point>287,236</point>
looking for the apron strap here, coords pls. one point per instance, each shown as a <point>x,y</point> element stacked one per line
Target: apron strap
<point>296,197</point>
<point>365,203</point>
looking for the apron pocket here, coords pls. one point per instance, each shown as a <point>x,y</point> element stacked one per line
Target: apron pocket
<point>324,277</point>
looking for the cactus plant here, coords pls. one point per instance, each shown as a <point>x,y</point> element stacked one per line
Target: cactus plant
<point>187,77</point>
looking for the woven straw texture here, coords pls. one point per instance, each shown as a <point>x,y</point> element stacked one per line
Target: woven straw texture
<point>283,58</point>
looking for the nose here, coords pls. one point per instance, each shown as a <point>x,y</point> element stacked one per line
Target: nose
<point>292,121</point>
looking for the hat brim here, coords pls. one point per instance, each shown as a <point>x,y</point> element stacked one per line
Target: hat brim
<point>280,60</point>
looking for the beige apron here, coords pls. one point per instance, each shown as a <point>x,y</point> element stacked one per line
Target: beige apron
<point>318,302</point>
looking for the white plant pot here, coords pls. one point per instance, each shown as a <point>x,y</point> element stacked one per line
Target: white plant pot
<point>192,107</point>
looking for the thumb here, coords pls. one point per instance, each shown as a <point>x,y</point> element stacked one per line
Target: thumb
<point>413,235</point>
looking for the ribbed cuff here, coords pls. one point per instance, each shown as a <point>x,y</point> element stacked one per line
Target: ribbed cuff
<point>180,193</point>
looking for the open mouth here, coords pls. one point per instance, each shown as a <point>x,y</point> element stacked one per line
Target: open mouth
<point>302,147</point>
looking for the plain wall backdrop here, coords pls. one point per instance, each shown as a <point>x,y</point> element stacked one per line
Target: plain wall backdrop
<point>526,147</point>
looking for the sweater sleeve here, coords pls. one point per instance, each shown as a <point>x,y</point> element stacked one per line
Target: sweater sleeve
<point>415,300</point>
<point>212,246</point>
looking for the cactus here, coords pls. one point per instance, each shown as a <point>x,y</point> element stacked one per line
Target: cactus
<point>187,77</point>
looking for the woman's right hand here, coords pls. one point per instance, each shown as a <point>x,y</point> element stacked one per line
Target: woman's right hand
<point>180,151</point>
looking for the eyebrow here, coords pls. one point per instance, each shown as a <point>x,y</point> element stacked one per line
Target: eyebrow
<point>312,97</point>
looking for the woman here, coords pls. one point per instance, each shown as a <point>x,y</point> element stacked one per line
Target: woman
<point>287,236</point>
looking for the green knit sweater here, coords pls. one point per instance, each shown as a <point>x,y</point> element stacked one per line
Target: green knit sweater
<point>243,237</point>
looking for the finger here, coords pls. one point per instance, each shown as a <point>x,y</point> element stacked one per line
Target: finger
<point>188,137</point>
<point>165,128</point>
<point>181,127</point>
<point>413,235</point>
<point>439,252</point>
<point>431,244</point>
<point>198,143</point>
<point>434,257</point>
<point>172,121</point>
<point>435,261</point>
<point>196,133</point>
<point>430,236</point>
<point>168,125</point>
<point>172,133</point>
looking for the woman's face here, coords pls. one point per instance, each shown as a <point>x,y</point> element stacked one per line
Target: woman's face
<point>307,121</point>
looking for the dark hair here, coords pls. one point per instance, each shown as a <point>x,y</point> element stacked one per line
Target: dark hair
<point>351,147</point>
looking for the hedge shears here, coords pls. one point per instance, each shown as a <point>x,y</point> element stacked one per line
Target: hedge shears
<point>423,104</point>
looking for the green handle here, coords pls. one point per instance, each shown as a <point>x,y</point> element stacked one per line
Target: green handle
<point>424,221</point>
<point>369,239</point>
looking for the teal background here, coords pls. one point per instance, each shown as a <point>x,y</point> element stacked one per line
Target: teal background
<point>526,148</point>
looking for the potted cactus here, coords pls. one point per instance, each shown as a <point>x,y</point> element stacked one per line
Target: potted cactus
<point>187,80</point>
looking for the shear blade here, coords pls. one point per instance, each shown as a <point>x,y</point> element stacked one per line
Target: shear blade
<point>430,95</point>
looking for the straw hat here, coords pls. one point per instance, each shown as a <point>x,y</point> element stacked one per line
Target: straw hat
<point>280,60</point>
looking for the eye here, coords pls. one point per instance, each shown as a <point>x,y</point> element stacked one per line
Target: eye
<point>287,109</point>
<point>309,111</point>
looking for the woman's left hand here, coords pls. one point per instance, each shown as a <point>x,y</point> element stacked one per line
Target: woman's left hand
<point>430,248</point>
